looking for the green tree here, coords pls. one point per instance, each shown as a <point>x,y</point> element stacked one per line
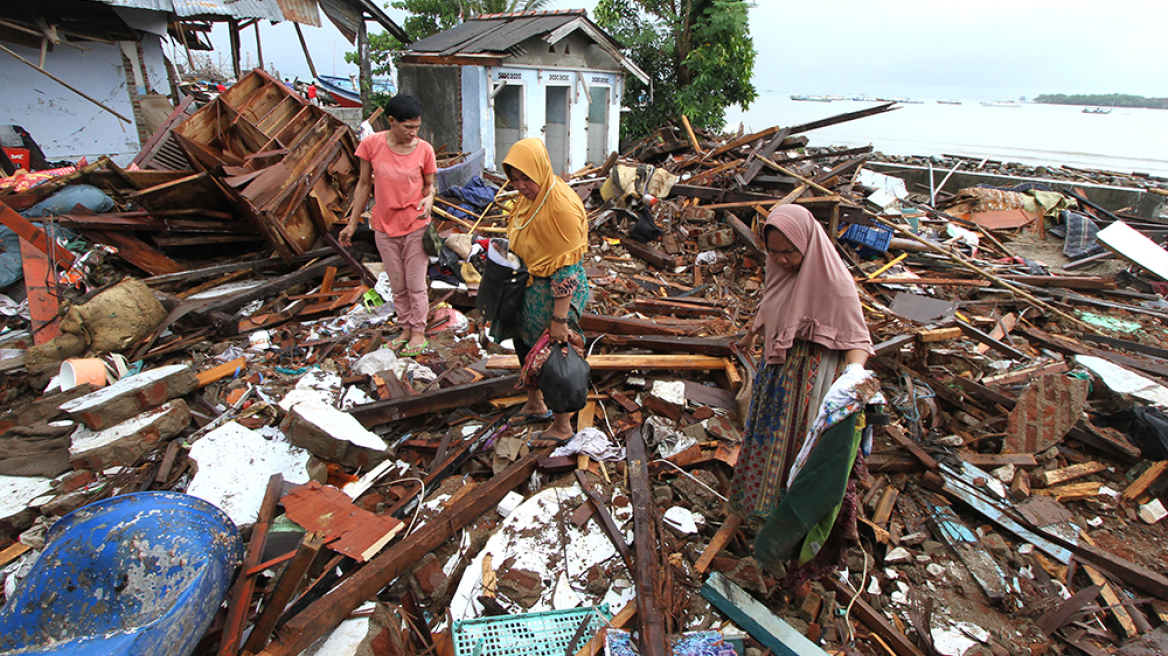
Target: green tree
<point>698,55</point>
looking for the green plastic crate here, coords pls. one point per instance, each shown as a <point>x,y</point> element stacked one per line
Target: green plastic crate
<point>529,634</point>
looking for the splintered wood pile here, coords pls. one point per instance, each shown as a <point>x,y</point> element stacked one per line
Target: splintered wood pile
<point>1012,505</point>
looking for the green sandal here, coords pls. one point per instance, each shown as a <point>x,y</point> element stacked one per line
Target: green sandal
<point>414,351</point>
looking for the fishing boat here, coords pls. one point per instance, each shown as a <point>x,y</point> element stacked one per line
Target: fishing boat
<point>948,102</point>
<point>1008,104</point>
<point>807,97</point>
<point>1097,110</point>
<point>344,90</point>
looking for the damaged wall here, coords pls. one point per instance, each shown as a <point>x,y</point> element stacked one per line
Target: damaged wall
<point>65,125</point>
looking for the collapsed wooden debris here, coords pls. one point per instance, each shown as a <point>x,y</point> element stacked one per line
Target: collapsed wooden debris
<point>1019,480</point>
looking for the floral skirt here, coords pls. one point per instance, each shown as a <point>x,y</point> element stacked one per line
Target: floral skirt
<point>781,409</point>
<point>538,304</point>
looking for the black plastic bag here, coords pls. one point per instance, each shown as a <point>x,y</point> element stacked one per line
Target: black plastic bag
<point>1148,428</point>
<point>501,290</point>
<point>645,231</point>
<point>564,379</point>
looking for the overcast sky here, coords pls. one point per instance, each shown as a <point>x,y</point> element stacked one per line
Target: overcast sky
<point>978,49</point>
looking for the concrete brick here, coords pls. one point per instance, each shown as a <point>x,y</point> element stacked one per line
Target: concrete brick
<point>334,435</point>
<point>1048,408</point>
<point>125,443</point>
<point>131,395</point>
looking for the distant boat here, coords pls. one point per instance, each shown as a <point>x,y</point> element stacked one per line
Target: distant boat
<point>804,96</point>
<point>344,90</point>
<point>948,102</point>
<point>1097,110</point>
<point>903,101</point>
<point>1000,103</point>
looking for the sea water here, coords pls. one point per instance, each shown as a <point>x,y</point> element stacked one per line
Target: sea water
<point>1125,140</point>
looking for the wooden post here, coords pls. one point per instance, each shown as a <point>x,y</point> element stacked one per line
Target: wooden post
<point>260,46</point>
<point>647,568</point>
<point>366,75</point>
<point>304,47</point>
<point>233,30</point>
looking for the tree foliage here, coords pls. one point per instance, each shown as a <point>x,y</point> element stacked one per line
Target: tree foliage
<point>698,55</point>
<point>1102,100</point>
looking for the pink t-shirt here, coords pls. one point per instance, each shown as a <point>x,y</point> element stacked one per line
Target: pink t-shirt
<point>397,183</point>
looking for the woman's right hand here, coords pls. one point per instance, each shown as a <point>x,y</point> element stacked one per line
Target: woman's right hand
<point>747,341</point>
<point>346,237</point>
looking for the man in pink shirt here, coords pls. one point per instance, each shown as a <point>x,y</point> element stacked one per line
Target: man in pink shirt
<point>400,168</point>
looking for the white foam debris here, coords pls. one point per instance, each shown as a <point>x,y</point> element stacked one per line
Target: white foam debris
<point>234,465</point>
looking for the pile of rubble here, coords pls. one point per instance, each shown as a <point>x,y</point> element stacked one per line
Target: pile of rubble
<point>393,505</point>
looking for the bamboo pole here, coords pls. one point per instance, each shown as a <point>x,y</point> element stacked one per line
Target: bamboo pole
<point>953,255</point>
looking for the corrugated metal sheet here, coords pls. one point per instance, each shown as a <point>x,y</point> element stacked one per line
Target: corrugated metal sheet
<point>266,9</point>
<point>497,33</point>
<point>513,33</point>
<point>346,13</point>
<point>301,11</point>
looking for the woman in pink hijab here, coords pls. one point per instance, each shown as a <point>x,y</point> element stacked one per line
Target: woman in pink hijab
<point>812,326</point>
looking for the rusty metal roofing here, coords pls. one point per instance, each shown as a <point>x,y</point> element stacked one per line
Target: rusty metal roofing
<point>495,32</point>
<point>301,11</point>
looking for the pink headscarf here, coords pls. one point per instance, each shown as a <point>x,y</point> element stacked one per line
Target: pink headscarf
<point>818,302</point>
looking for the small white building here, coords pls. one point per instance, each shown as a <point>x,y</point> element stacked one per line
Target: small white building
<point>499,78</point>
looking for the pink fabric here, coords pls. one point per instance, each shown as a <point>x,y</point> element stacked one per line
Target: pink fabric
<point>397,183</point>
<point>405,263</point>
<point>818,302</point>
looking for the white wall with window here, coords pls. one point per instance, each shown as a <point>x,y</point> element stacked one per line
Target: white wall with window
<point>575,112</point>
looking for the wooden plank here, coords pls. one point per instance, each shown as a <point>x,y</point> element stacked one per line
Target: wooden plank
<point>606,325</point>
<point>35,236</point>
<point>12,552</point>
<point>898,436</point>
<point>240,605</point>
<point>656,362</point>
<point>657,258</point>
<point>1117,610</point>
<point>1139,486</point>
<point>929,335</point>
<point>137,252</point>
<point>758,620</point>
<point>647,570</point>
<point>747,236</point>
<point>41,282</point>
<point>208,376</point>
<point>1056,476</point>
<point>618,621</point>
<point>999,459</point>
<point>1071,491</point>
<point>382,412</point>
<point>321,616</point>
<point>884,507</point>
<point>274,605</point>
<point>988,341</point>
<point>607,523</point>
<point>724,535</point>
<point>982,566</point>
<point>872,618</point>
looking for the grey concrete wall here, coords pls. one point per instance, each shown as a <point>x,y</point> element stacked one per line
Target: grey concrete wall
<point>1108,197</point>
<point>440,90</point>
<point>350,115</point>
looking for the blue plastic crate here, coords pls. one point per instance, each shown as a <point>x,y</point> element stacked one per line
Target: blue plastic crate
<point>530,634</point>
<point>873,237</point>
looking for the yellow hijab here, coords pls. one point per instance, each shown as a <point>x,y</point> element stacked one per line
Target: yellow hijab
<point>551,231</point>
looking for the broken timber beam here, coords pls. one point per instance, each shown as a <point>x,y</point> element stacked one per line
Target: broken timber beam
<point>647,570</point>
<point>872,618</point>
<point>383,412</point>
<point>747,235</point>
<point>657,258</point>
<point>324,614</point>
<point>628,362</point>
<point>758,620</point>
